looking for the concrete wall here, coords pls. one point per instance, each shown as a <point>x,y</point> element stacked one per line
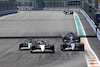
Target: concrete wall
<point>8,7</point>
<point>5,12</point>
<point>92,24</point>
<point>89,9</point>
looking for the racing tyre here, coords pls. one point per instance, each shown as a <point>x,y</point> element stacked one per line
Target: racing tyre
<point>81,47</point>
<point>20,47</point>
<point>53,49</point>
<point>72,12</point>
<point>65,13</point>
<point>63,47</point>
<point>32,48</point>
<point>79,39</point>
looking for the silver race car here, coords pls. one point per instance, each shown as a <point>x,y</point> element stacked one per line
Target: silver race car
<point>26,44</point>
<point>68,12</point>
<point>42,46</point>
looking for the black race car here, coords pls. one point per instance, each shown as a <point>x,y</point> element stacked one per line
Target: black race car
<point>26,44</point>
<point>71,36</point>
<point>42,46</point>
<point>68,12</point>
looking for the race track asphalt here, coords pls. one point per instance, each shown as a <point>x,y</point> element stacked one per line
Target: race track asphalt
<point>38,23</point>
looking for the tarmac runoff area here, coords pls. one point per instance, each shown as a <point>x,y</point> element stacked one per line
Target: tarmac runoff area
<point>38,23</point>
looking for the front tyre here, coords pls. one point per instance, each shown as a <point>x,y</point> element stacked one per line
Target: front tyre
<point>20,46</point>
<point>63,47</point>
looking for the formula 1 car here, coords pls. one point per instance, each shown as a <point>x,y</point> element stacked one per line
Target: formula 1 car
<point>26,45</point>
<point>71,42</point>
<point>68,12</point>
<point>72,46</point>
<point>42,46</point>
<point>71,36</point>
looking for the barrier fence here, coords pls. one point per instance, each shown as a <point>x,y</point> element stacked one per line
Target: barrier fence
<point>7,7</point>
<point>89,9</point>
<point>89,12</point>
<point>25,8</point>
<point>46,4</point>
<point>5,12</point>
<point>92,24</point>
<point>98,34</point>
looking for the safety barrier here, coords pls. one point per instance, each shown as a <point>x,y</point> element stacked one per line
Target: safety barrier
<point>92,24</point>
<point>61,9</point>
<point>25,8</point>
<point>98,34</point>
<point>5,12</point>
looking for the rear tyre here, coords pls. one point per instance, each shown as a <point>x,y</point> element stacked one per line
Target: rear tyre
<point>53,49</point>
<point>32,48</point>
<point>79,39</point>
<point>81,47</point>
<point>72,12</point>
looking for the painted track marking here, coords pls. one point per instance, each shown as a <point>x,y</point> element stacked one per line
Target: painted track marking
<point>91,58</point>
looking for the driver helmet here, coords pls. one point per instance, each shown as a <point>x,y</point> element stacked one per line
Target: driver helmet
<point>35,39</point>
<point>30,40</point>
<point>41,40</point>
